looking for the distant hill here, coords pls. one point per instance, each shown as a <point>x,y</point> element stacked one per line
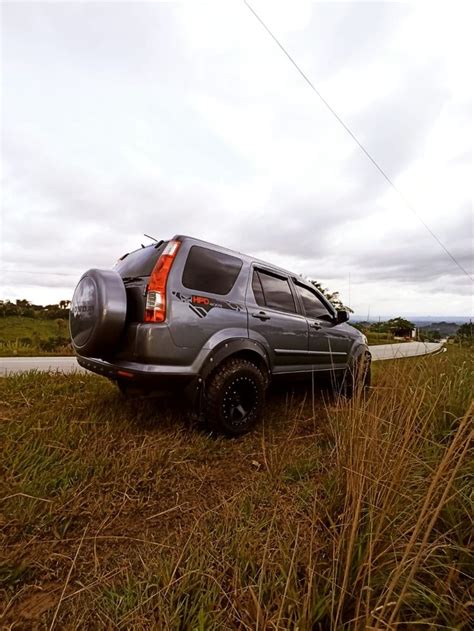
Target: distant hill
<point>445,328</point>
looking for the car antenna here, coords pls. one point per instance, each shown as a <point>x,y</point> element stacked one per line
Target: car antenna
<point>148,237</point>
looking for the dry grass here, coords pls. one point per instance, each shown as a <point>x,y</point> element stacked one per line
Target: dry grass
<point>123,515</point>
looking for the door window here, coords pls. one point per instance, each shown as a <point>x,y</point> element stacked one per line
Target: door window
<point>313,306</point>
<point>273,292</point>
<point>257,290</point>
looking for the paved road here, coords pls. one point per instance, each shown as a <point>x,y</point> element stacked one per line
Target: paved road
<point>69,364</point>
<point>407,349</point>
<point>43,364</point>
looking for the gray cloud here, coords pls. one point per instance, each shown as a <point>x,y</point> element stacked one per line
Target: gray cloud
<point>394,128</point>
<point>121,119</point>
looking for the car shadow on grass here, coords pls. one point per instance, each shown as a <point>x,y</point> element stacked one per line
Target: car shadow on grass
<point>172,411</point>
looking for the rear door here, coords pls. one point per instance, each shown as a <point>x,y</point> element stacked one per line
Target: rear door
<point>328,344</point>
<point>274,319</point>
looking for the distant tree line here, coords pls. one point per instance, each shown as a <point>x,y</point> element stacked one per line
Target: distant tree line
<point>465,333</point>
<point>27,309</point>
<point>400,327</point>
<point>397,327</point>
<point>332,296</point>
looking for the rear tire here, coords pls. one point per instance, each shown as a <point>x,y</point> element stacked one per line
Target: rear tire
<point>234,397</point>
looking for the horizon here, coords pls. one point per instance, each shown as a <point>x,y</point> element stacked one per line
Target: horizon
<point>355,317</point>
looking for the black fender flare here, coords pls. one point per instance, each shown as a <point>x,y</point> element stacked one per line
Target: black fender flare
<point>360,357</point>
<point>226,349</point>
<point>360,350</point>
<point>237,346</point>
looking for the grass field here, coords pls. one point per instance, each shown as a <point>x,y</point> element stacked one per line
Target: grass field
<point>24,336</point>
<point>331,515</point>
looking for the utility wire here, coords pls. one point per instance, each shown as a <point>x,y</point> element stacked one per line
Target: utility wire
<point>357,141</point>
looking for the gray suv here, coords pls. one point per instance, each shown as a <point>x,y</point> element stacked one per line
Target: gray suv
<point>216,323</point>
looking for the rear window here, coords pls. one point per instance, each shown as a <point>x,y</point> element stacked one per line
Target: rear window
<point>140,262</point>
<point>210,271</point>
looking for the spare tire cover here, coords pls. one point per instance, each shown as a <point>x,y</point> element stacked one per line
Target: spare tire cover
<point>97,314</point>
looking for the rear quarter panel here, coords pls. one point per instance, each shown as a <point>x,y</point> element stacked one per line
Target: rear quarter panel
<point>198,319</point>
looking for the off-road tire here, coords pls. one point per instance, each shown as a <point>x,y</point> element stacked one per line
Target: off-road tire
<point>358,378</point>
<point>234,397</point>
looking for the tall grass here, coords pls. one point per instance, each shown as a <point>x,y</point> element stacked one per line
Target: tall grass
<point>333,514</point>
<point>401,539</point>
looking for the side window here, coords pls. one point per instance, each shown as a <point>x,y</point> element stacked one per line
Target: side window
<point>210,271</point>
<point>313,306</point>
<point>257,289</point>
<point>276,292</point>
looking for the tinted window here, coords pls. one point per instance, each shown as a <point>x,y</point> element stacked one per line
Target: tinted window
<point>313,306</point>
<point>210,271</point>
<point>277,292</point>
<point>140,262</point>
<point>257,289</point>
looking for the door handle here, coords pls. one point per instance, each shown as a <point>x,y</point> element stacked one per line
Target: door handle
<point>315,325</point>
<point>261,315</point>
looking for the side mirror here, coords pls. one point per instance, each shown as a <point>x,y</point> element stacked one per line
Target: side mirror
<point>342,316</point>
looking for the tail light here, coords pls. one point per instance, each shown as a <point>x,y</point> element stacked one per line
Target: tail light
<point>155,309</point>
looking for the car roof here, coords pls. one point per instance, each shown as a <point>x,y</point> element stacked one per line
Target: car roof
<point>247,258</point>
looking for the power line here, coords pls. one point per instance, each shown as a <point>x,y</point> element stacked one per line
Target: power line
<point>357,141</point>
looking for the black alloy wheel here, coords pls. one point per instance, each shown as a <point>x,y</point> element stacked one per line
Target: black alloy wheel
<point>240,399</point>
<point>234,397</point>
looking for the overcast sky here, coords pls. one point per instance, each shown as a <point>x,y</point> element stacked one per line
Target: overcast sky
<point>120,119</point>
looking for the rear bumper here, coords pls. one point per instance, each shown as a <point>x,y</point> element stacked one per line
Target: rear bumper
<point>151,374</point>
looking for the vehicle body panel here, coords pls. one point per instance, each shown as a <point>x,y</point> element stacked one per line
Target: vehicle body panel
<point>195,316</point>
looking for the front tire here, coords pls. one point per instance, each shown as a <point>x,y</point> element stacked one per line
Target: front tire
<point>358,377</point>
<point>234,397</point>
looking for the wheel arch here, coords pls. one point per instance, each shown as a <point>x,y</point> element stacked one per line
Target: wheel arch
<point>239,349</point>
<point>357,351</point>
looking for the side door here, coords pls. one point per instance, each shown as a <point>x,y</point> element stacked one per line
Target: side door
<point>328,345</point>
<point>274,319</point>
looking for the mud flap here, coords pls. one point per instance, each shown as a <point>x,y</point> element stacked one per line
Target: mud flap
<point>194,393</point>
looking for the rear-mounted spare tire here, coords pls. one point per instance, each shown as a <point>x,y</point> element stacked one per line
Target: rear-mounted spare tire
<point>97,313</point>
